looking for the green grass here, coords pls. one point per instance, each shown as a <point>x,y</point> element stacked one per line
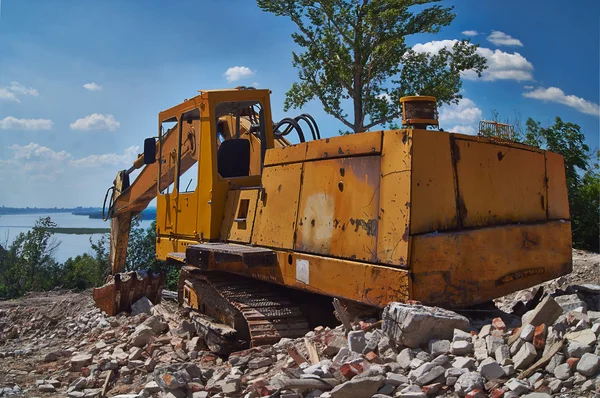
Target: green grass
<point>78,231</point>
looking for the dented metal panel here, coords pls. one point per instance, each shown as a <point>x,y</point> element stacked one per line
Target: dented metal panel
<point>558,201</point>
<point>287,154</point>
<point>433,203</point>
<point>275,220</point>
<point>395,202</point>
<point>343,146</point>
<point>239,215</point>
<point>339,208</point>
<point>499,184</point>
<point>464,268</point>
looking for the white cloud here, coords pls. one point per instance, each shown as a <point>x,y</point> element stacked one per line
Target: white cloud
<point>385,96</point>
<point>107,159</point>
<point>10,122</point>
<point>555,94</point>
<point>92,86</point>
<point>465,112</point>
<point>470,32</point>
<point>528,87</point>
<point>501,65</point>
<point>255,85</point>
<point>469,130</point>
<point>34,151</point>
<point>16,89</point>
<point>237,72</point>
<point>96,121</point>
<point>502,39</point>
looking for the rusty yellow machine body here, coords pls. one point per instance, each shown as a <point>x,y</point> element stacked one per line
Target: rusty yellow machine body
<point>413,214</point>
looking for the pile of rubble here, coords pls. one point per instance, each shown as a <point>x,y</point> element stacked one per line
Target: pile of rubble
<point>413,351</point>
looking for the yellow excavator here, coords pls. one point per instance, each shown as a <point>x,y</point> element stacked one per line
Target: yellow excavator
<point>270,228</point>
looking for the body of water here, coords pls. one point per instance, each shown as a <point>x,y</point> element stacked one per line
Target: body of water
<point>70,245</point>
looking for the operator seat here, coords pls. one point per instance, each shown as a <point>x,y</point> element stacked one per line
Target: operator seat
<point>233,158</point>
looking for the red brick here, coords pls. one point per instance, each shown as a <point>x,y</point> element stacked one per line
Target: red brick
<point>539,337</point>
<point>476,394</point>
<point>373,358</point>
<point>572,362</point>
<point>349,370</point>
<point>499,324</point>
<point>496,393</point>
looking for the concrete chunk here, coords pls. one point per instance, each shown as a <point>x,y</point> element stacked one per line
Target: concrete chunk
<point>547,311</point>
<point>490,369</point>
<point>358,387</point>
<point>468,382</point>
<point>414,325</point>
<point>525,356</point>
<point>461,347</point>
<point>588,364</point>
<point>571,302</point>
<point>357,341</point>
<point>527,332</point>
<point>562,371</point>
<point>439,347</point>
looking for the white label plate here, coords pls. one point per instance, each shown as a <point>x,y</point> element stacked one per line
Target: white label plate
<point>302,271</point>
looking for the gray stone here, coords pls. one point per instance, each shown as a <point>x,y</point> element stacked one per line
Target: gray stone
<point>357,341</point>
<point>516,347</point>
<point>47,388</point>
<point>411,392</point>
<point>358,388</point>
<point>577,350</point>
<point>562,371</point>
<point>395,379</point>
<point>439,347</point>
<point>502,355</point>
<point>442,360</point>
<point>490,369</point>
<point>537,395</point>
<point>554,362</point>
<point>78,362</point>
<point>525,356</point>
<point>424,356</point>
<point>461,335</point>
<point>430,376</point>
<point>415,363</point>
<point>414,325</point>
<point>584,337</point>
<point>527,332</point>
<point>493,342</point>
<point>75,394</point>
<point>405,357</point>
<point>260,362</point>
<point>152,387</point>
<point>509,370</point>
<point>157,323</point>
<point>570,302</point>
<point>593,316</point>
<point>461,347</point>
<point>547,311</point>
<point>421,370</point>
<point>517,386</point>
<point>468,382</point>
<point>141,335</point>
<point>142,306</point>
<point>588,364</point>
<point>555,385</point>
<point>463,362</point>
<point>480,348</point>
<point>455,372</point>
<point>372,341</point>
<point>386,390</point>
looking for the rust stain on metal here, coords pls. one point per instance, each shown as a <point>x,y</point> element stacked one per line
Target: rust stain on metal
<point>370,226</point>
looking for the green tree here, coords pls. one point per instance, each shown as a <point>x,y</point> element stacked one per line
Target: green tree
<point>82,272</point>
<point>355,51</point>
<point>583,178</point>
<point>28,263</point>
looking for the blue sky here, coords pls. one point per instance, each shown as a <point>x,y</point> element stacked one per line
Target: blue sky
<point>62,138</point>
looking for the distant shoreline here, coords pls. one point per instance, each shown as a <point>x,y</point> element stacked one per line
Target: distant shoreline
<point>91,212</point>
<point>78,231</point>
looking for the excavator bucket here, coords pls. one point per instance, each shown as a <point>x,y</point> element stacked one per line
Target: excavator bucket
<point>124,289</point>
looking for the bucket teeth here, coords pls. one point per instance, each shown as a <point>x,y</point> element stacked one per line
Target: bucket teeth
<point>124,289</point>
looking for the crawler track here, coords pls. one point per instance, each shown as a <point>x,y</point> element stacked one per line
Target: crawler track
<point>261,313</point>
